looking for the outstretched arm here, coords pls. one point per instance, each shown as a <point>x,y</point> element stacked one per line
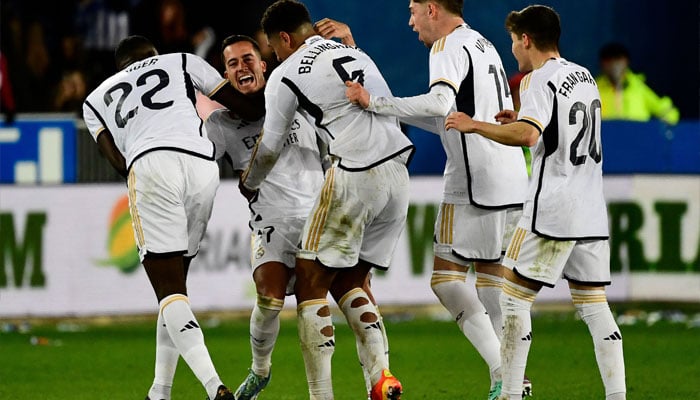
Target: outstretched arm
<point>436,103</point>
<point>249,107</point>
<point>512,134</point>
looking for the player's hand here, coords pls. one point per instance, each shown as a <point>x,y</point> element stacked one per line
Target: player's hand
<point>506,117</point>
<point>330,29</point>
<point>357,94</point>
<point>460,121</point>
<point>247,193</point>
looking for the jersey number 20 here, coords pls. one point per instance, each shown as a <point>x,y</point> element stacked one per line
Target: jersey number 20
<point>587,131</point>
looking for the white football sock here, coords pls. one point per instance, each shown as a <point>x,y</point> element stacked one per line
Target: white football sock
<point>317,346</point>
<point>362,317</point>
<point>592,306</point>
<point>516,302</point>
<point>189,340</point>
<point>488,288</point>
<point>264,328</point>
<point>462,302</point>
<point>166,362</point>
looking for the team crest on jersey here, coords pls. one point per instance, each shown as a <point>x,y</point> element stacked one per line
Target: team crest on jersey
<point>259,252</point>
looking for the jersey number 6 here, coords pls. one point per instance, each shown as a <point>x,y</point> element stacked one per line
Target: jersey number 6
<point>356,76</point>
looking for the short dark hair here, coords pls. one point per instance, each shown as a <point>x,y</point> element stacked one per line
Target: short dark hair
<point>613,50</point>
<point>540,23</point>
<point>131,49</point>
<point>452,6</point>
<point>236,39</point>
<point>284,16</point>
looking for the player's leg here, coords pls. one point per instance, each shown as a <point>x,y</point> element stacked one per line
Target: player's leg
<point>316,332</point>
<point>168,279</point>
<point>457,234</point>
<point>348,289</point>
<point>166,356</point>
<point>170,198</point>
<point>489,280</point>
<point>588,271</point>
<point>271,279</point>
<point>386,215</point>
<point>337,292</point>
<point>531,262</point>
<point>448,282</point>
<point>516,302</point>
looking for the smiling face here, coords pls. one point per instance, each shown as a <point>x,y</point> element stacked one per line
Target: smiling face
<point>244,68</point>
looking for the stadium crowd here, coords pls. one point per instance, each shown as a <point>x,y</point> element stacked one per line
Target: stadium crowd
<point>54,53</point>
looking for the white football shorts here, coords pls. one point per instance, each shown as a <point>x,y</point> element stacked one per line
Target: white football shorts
<point>464,233</point>
<point>276,240</point>
<point>585,262</point>
<point>171,195</point>
<point>359,215</point>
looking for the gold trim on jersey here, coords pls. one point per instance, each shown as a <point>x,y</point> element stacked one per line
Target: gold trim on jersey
<point>135,218</point>
<point>511,290</point>
<point>516,243</point>
<point>320,215</point>
<point>447,81</point>
<point>102,129</point>
<point>218,87</point>
<point>173,298</point>
<point>244,175</point>
<point>525,82</point>
<point>596,296</point>
<point>438,45</point>
<point>447,214</point>
<point>534,121</point>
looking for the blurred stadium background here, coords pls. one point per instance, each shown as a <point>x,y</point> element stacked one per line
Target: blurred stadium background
<point>66,247</point>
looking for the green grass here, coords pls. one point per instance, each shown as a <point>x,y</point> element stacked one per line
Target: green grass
<point>432,359</point>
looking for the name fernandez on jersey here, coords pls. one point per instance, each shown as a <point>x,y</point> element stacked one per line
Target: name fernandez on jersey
<point>307,59</point>
<point>573,79</point>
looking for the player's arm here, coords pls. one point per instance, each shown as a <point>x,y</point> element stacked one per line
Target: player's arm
<point>278,121</point>
<point>331,29</point>
<point>436,103</point>
<point>249,107</point>
<point>209,81</point>
<point>104,139</point>
<point>109,150</point>
<point>518,133</point>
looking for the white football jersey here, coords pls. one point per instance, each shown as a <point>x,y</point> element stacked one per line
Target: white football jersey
<point>150,105</point>
<point>312,81</point>
<point>565,199</point>
<point>291,187</point>
<point>478,171</point>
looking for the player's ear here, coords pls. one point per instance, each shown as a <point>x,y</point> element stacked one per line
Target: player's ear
<point>286,38</point>
<point>526,40</point>
<point>263,66</point>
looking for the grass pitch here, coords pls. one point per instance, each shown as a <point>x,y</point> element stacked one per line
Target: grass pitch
<point>432,359</point>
